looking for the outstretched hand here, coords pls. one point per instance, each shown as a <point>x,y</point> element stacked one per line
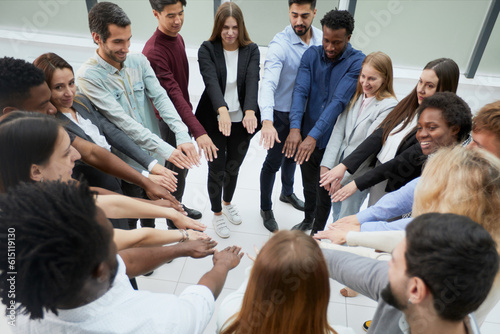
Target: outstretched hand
<point>229,257</point>
<point>345,192</point>
<point>198,249</point>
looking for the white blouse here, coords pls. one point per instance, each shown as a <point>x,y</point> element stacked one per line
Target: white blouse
<point>231,93</point>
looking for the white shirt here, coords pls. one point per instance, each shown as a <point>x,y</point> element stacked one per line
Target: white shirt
<point>391,145</point>
<point>90,130</point>
<point>231,93</point>
<point>123,310</point>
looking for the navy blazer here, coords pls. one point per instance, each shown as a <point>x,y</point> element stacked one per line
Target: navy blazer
<point>115,137</point>
<point>213,69</point>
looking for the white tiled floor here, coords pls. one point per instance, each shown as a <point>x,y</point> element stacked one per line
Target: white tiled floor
<point>175,277</point>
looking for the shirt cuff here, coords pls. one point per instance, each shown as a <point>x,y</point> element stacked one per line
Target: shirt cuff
<point>145,174</point>
<point>152,164</point>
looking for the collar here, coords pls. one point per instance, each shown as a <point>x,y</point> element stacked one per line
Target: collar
<point>469,322</point>
<point>347,52</point>
<point>295,39</point>
<point>104,64</point>
<point>165,36</point>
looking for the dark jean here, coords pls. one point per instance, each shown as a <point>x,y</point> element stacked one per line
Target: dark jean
<point>169,136</point>
<point>276,160</point>
<point>223,171</point>
<point>317,201</point>
<point>132,190</point>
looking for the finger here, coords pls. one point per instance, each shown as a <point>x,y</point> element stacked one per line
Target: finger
<point>208,154</point>
<point>256,250</point>
<point>240,255</point>
<point>276,138</point>
<point>251,257</point>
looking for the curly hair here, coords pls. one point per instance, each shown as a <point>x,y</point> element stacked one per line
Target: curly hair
<point>58,244</point>
<point>17,77</point>
<point>338,19</point>
<point>102,15</point>
<point>455,111</point>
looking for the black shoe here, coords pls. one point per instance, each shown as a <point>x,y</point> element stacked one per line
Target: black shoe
<point>293,200</point>
<point>313,232</point>
<point>305,225</point>
<point>269,221</point>
<point>192,213</point>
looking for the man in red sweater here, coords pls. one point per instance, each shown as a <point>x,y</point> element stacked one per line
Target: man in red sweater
<point>166,52</point>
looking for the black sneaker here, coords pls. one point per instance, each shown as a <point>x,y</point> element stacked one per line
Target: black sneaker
<point>269,221</point>
<point>293,200</point>
<point>305,225</point>
<point>192,213</point>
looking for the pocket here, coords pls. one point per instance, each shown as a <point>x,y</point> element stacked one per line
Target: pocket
<point>139,90</point>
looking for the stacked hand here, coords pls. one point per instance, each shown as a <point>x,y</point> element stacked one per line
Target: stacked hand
<point>229,257</point>
<point>337,232</point>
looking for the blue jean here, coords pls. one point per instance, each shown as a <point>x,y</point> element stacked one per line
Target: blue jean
<point>276,160</point>
<point>350,206</point>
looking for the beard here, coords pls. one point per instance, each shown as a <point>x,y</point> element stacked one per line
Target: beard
<point>390,298</point>
<point>302,33</point>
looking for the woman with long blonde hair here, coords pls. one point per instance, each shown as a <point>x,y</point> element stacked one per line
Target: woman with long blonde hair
<point>287,292</point>
<point>373,101</point>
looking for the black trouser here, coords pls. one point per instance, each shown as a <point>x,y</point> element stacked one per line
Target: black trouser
<point>317,201</point>
<point>223,171</point>
<point>275,160</point>
<point>96,178</point>
<point>132,190</point>
<point>169,136</point>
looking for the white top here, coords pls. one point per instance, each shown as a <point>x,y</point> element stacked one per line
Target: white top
<point>123,310</point>
<point>231,93</point>
<point>232,304</point>
<point>90,130</point>
<point>388,151</point>
<point>365,103</point>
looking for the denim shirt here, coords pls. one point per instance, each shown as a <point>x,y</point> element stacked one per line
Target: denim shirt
<point>126,98</point>
<point>280,70</point>
<point>322,90</point>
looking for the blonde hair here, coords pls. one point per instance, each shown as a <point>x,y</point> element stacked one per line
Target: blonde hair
<point>462,181</point>
<point>383,65</point>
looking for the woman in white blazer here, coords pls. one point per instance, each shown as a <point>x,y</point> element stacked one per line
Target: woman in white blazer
<point>372,102</point>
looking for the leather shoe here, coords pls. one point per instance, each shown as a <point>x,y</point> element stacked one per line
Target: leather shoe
<point>293,200</point>
<point>269,221</point>
<point>192,213</point>
<point>305,225</point>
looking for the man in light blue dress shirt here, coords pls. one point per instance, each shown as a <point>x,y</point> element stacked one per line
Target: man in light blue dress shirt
<point>280,69</point>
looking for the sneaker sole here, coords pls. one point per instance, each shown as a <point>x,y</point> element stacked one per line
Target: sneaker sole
<point>230,220</point>
<point>222,236</point>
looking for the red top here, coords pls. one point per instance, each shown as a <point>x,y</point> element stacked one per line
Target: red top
<point>168,59</point>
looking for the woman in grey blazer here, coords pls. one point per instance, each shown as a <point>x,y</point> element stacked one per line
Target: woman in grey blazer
<point>228,109</point>
<point>82,119</point>
<point>372,102</point>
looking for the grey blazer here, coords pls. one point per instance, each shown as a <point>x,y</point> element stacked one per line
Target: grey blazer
<point>350,131</point>
<point>115,137</point>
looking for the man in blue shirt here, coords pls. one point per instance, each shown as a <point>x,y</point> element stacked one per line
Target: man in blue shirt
<point>280,69</point>
<point>325,83</point>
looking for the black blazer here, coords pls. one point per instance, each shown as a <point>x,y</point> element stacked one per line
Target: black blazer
<point>115,137</point>
<point>213,69</point>
<point>406,165</point>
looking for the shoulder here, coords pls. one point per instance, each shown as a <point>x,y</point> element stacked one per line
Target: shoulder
<point>89,67</point>
<point>387,102</point>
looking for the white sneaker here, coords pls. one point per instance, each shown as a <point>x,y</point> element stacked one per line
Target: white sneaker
<point>220,226</point>
<point>231,214</point>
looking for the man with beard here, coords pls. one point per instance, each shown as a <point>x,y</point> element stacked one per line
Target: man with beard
<point>280,69</point>
<point>438,275</point>
<point>70,279</point>
<point>326,80</point>
<point>124,88</point>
